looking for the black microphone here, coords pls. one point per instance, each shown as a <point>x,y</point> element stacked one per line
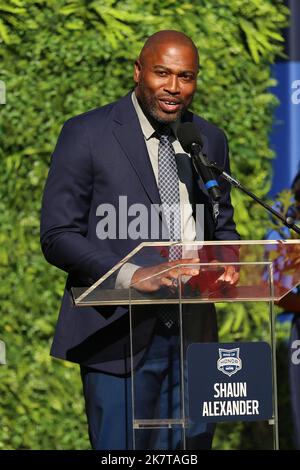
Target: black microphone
<point>191,142</point>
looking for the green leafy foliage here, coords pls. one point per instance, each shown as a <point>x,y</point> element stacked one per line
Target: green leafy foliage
<point>60,58</point>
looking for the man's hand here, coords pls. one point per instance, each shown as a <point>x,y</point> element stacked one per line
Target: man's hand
<point>230,276</point>
<point>166,274</point>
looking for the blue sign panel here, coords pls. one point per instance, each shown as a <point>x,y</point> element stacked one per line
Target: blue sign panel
<point>285,137</point>
<point>229,382</point>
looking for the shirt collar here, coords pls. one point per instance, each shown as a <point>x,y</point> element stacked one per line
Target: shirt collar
<point>147,128</point>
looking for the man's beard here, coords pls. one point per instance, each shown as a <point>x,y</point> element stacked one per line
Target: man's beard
<point>152,111</point>
<point>149,106</point>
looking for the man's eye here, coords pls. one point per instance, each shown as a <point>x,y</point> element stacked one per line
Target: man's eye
<point>187,77</point>
<point>162,73</point>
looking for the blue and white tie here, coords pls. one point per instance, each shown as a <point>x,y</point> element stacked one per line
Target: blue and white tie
<point>168,185</point>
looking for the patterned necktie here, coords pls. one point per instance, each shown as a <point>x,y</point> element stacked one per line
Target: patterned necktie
<point>168,185</point>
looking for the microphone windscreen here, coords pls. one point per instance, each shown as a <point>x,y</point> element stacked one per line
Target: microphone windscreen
<point>188,134</point>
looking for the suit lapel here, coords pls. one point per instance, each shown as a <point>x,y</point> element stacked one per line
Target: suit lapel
<point>128,133</point>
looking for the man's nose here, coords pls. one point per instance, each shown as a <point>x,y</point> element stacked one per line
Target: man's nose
<point>172,85</point>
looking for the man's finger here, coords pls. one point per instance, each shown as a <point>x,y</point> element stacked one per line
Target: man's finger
<point>184,271</point>
<point>166,282</point>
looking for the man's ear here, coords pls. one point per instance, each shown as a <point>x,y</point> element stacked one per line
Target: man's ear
<point>137,71</point>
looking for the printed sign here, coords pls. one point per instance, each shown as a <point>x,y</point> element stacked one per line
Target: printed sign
<point>229,383</point>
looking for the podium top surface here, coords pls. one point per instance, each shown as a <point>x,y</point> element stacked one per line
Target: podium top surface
<point>264,270</point>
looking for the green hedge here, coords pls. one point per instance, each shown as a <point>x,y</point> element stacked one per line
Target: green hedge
<point>60,58</point>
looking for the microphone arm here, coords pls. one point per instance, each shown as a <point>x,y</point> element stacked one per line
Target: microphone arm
<point>288,221</point>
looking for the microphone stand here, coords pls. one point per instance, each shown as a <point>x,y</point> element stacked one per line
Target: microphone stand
<point>288,221</point>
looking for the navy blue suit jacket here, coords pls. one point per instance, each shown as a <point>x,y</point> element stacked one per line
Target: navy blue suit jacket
<point>99,156</point>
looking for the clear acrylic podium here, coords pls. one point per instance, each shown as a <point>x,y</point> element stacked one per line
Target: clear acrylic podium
<point>267,271</point>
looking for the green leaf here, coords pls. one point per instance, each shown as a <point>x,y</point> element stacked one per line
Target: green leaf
<point>4,33</point>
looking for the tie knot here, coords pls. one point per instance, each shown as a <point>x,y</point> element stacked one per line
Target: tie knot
<point>164,133</point>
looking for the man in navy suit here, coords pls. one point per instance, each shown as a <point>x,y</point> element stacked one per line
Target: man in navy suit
<point>101,155</point>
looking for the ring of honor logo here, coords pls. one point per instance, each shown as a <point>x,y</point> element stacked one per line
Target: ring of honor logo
<point>229,361</point>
